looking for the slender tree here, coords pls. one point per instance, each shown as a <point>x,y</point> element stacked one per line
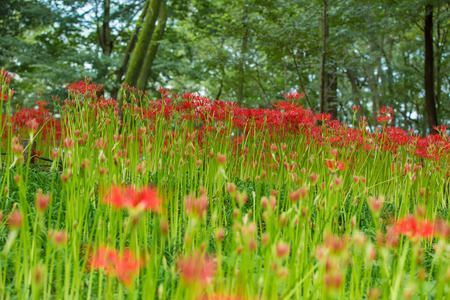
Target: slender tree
<point>242,60</point>
<point>142,44</point>
<point>323,71</point>
<point>131,44</point>
<point>157,36</point>
<point>104,31</point>
<point>430,105</point>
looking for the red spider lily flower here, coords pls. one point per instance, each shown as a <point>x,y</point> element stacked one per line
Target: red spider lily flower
<point>3,97</point>
<point>83,87</point>
<point>384,119</point>
<point>59,237</point>
<point>355,108</point>
<point>442,129</point>
<point>442,229</point>
<point>335,165</point>
<point>413,228</point>
<point>129,198</point>
<point>41,103</point>
<point>386,115</point>
<point>282,249</point>
<point>324,117</point>
<point>197,206</point>
<point>386,110</point>
<point>376,204</point>
<point>329,164</point>
<point>293,95</point>
<point>32,125</point>
<point>163,92</point>
<point>15,219</point>
<point>197,268</point>
<point>124,266</point>
<point>42,201</point>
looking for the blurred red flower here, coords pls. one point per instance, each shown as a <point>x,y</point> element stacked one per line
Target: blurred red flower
<point>413,228</point>
<point>130,198</point>
<point>197,268</point>
<point>124,266</point>
<point>335,165</point>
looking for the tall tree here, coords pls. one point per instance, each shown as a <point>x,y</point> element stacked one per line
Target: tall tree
<point>430,105</point>
<point>142,44</point>
<point>130,46</point>
<point>242,55</point>
<point>323,68</point>
<point>157,36</point>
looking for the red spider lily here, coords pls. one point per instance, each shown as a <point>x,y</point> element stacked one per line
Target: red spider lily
<point>3,97</point>
<point>197,206</point>
<point>384,119</point>
<point>83,87</point>
<point>442,129</point>
<point>335,165</point>
<point>42,201</point>
<point>293,95</point>
<point>41,104</point>
<point>386,115</point>
<point>197,268</point>
<point>163,92</point>
<point>59,237</point>
<point>15,219</point>
<point>130,198</point>
<point>124,266</point>
<point>324,117</point>
<point>5,74</point>
<point>413,228</point>
<point>386,110</point>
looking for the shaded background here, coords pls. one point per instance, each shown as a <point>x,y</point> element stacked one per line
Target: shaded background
<point>340,53</point>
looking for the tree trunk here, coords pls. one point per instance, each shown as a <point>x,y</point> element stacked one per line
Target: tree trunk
<point>105,42</point>
<point>430,106</point>
<point>372,78</point>
<point>130,47</point>
<point>241,79</point>
<point>323,72</point>
<point>440,44</point>
<point>104,31</point>
<point>143,42</point>
<point>153,48</point>
<point>300,80</point>
<point>356,97</point>
<point>332,103</point>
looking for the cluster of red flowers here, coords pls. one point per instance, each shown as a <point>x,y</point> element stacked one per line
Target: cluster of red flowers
<point>414,228</point>
<point>124,266</point>
<point>83,87</point>
<point>38,118</point>
<point>386,115</point>
<point>130,198</point>
<point>3,96</point>
<point>335,165</point>
<point>4,76</point>
<point>293,95</point>
<point>285,118</point>
<point>288,118</point>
